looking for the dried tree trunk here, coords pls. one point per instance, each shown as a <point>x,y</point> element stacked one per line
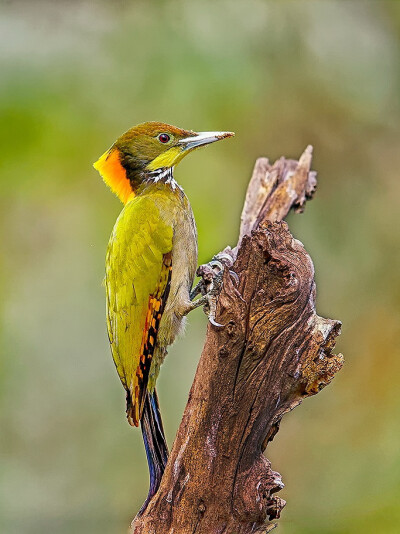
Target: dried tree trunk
<point>271,353</point>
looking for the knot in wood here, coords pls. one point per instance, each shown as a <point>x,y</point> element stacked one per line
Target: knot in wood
<point>253,490</point>
<point>319,364</point>
<point>201,507</point>
<point>231,328</point>
<point>275,507</point>
<point>223,352</point>
<point>250,348</point>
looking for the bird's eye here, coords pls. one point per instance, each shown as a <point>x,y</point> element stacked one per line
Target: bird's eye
<point>164,138</point>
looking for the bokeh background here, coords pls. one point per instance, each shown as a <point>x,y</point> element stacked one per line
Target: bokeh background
<point>73,76</point>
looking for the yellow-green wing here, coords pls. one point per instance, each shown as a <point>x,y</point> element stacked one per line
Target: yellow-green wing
<point>138,266</point>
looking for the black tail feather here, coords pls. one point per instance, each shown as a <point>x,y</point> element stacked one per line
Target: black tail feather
<point>154,443</point>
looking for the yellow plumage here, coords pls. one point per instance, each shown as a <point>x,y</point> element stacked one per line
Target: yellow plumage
<point>134,275</point>
<point>166,159</point>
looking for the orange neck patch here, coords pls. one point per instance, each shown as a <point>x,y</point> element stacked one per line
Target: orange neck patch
<point>110,169</point>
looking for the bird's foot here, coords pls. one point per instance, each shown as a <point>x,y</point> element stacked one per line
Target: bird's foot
<point>210,285</point>
<point>209,299</point>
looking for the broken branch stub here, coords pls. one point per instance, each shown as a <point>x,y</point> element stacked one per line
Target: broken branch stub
<point>271,353</point>
<point>275,189</point>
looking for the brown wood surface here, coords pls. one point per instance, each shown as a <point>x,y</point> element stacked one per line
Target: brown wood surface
<point>271,353</point>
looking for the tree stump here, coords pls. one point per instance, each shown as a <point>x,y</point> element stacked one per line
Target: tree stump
<point>272,351</point>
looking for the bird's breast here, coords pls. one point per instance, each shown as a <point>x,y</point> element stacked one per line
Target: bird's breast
<point>178,212</point>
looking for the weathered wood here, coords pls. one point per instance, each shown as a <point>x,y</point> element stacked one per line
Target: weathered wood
<point>271,353</point>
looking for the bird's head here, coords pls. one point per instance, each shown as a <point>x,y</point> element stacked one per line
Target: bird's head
<point>145,149</point>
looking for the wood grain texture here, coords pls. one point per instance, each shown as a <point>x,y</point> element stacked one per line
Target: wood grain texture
<point>272,352</point>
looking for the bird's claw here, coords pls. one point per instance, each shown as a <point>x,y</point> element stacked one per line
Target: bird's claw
<point>213,322</point>
<point>234,276</point>
<point>195,291</point>
<point>214,263</point>
<point>224,258</point>
<point>210,284</point>
<point>210,308</point>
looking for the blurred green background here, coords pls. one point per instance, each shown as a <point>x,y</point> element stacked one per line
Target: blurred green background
<point>74,76</point>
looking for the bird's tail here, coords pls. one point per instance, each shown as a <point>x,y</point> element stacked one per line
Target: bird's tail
<point>154,443</point>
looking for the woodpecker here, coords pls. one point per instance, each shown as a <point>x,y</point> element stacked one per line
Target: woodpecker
<point>151,262</point>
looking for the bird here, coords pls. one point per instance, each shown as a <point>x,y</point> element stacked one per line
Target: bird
<point>151,262</point>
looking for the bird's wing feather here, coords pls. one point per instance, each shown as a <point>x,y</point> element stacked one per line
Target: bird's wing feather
<point>138,271</point>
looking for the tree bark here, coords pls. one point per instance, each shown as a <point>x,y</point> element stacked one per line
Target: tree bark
<point>271,353</point>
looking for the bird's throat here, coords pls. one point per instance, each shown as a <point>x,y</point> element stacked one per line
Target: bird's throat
<point>165,175</point>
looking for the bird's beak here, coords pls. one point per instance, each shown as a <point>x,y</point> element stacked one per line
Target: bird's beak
<point>203,138</point>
